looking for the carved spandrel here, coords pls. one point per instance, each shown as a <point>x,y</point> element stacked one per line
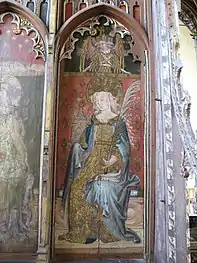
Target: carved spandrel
<point>23,24</point>
<point>91,33</point>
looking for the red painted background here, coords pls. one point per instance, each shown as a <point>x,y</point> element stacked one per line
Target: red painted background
<point>16,47</point>
<point>72,97</point>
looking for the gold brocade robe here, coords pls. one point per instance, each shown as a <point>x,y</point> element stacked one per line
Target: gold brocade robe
<point>85,219</point>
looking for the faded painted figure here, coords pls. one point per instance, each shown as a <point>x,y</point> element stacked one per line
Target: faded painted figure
<point>98,182</point>
<point>16,180</point>
<point>104,56</point>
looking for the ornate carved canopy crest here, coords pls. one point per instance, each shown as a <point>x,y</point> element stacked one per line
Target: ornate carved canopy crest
<point>23,24</point>
<point>100,29</point>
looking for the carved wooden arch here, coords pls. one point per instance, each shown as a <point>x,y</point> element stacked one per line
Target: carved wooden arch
<point>144,46</point>
<point>105,9</point>
<point>8,6</point>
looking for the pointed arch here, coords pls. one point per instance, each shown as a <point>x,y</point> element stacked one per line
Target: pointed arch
<point>8,6</point>
<point>102,9</point>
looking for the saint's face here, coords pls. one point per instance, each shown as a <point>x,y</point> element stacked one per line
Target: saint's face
<point>104,47</point>
<point>102,101</point>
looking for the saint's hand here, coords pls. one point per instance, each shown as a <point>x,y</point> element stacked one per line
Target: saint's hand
<point>111,161</point>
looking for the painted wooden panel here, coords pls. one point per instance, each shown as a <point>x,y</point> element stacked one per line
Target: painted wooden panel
<point>100,141</point>
<point>21,92</point>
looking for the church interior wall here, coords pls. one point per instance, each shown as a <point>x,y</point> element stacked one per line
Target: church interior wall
<point>51,77</point>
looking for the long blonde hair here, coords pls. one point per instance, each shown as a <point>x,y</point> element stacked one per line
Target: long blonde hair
<point>114,106</point>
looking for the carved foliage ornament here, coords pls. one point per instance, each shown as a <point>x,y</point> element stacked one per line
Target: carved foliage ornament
<point>22,23</point>
<point>189,17</point>
<point>91,27</point>
<point>181,105</point>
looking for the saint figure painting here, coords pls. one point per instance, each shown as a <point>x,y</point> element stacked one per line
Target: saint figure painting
<point>16,179</point>
<point>100,146</point>
<point>98,181</point>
